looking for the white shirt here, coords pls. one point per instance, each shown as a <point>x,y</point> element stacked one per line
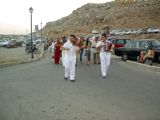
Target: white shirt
<point>94,44</point>
<point>102,43</point>
<point>52,45</point>
<point>70,54</point>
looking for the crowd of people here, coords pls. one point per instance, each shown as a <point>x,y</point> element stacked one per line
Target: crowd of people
<point>69,48</point>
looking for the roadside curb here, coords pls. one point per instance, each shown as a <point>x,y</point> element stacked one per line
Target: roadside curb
<point>143,66</point>
<point>25,61</point>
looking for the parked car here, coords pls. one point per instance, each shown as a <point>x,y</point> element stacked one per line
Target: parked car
<point>153,30</point>
<point>129,32</point>
<point>113,32</point>
<point>91,39</point>
<point>120,42</point>
<point>111,38</point>
<point>14,43</point>
<point>4,44</point>
<point>118,32</point>
<point>95,32</point>
<point>134,32</point>
<point>28,42</point>
<point>1,42</point>
<point>142,31</point>
<point>123,32</point>
<point>133,48</point>
<point>49,39</point>
<point>39,40</point>
<point>38,36</point>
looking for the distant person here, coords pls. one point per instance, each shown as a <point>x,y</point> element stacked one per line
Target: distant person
<point>82,49</point>
<point>96,52</point>
<point>57,52</point>
<point>104,55</point>
<point>52,47</point>
<point>49,47</point>
<point>87,51</point>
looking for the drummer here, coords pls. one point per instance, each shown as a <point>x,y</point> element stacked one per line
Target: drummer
<point>104,56</point>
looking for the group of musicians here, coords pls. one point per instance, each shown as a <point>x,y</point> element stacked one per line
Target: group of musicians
<point>73,49</point>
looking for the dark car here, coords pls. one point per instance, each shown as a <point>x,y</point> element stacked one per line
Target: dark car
<point>132,49</point>
<point>14,43</point>
<point>120,42</point>
<point>111,38</point>
<point>49,39</point>
<point>28,42</point>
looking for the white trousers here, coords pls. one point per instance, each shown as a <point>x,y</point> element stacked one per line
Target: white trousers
<point>63,57</point>
<point>105,62</point>
<point>70,68</point>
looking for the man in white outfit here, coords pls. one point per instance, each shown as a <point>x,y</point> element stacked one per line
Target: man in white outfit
<point>104,55</point>
<point>70,58</point>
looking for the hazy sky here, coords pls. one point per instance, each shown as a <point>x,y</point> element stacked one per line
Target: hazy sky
<point>15,16</point>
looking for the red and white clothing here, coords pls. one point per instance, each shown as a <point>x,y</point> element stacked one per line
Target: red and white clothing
<point>105,58</point>
<point>70,60</point>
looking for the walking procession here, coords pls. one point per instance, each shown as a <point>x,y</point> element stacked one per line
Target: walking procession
<point>69,48</point>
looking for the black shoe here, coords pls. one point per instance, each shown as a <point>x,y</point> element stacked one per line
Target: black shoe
<point>65,78</point>
<point>72,80</point>
<point>99,63</point>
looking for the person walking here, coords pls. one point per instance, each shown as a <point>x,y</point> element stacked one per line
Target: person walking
<point>63,53</point>
<point>70,58</point>
<point>82,49</point>
<point>87,51</point>
<point>104,55</point>
<point>49,47</point>
<point>57,52</point>
<point>52,47</point>
<point>95,52</point>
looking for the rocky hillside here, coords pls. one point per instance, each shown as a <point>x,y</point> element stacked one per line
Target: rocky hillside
<point>104,16</point>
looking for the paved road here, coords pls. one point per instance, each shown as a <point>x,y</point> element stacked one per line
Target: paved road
<point>37,91</point>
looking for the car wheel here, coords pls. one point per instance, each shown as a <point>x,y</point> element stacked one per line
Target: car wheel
<point>38,42</point>
<point>150,62</point>
<point>146,61</point>
<point>15,46</point>
<point>27,51</point>
<point>36,51</point>
<point>124,56</point>
<point>159,59</point>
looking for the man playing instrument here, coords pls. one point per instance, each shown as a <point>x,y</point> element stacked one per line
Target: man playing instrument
<point>104,56</point>
<point>70,58</point>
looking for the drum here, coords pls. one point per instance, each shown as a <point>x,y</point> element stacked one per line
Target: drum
<point>108,46</point>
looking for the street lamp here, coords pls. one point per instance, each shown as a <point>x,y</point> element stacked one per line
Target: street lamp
<point>31,11</point>
<point>41,33</point>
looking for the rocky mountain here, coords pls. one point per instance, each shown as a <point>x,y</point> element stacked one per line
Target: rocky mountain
<point>110,15</point>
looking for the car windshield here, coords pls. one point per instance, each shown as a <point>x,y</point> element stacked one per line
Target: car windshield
<point>12,41</point>
<point>154,43</point>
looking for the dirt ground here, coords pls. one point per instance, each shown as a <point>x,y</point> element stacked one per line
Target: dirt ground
<point>14,54</point>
